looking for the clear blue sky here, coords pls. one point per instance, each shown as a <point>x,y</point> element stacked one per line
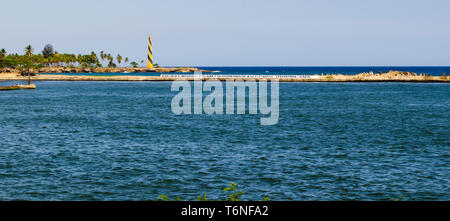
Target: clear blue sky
<point>237,32</point>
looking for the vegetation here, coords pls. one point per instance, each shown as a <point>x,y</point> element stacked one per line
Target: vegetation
<point>50,58</point>
<point>134,64</point>
<point>2,53</point>
<point>235,195</point>
<point>398,199</point>
<point>48,51</point>
<point>119,59</point>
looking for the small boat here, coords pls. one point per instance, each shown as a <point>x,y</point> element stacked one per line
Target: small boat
<point>18,87</point>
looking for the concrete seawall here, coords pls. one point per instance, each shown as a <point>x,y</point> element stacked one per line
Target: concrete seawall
<point>392,76</point>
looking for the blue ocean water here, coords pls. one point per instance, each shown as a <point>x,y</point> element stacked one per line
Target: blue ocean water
<point>431,70</point>
<point>121,141</point>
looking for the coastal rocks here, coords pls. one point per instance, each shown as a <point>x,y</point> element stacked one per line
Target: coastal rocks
<point>17,87</point>
<point>31,72</point>
<point>8,70</point>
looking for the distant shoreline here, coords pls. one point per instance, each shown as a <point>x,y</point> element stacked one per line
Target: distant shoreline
<point>391,76</point>
<point>67,70</point>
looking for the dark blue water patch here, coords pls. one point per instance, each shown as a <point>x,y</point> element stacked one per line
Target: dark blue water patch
<point>121,141</point>
<point>269,70</point>
<point>431,70</point>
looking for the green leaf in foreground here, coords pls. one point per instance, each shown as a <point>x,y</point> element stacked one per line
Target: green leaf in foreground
<point>163,198</point>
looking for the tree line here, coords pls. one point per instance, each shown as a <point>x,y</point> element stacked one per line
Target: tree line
<point>51,58</point>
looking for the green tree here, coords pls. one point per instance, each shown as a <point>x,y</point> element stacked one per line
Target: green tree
<point>79,59</point>
<point>2,53</point>
<point>28,64</point>
<point>50,58</point>
<point>94,60</point>
<point>29,51</point>
<point>102,56</point>
<point>48,51</point>
<point>134,64</point>
<point>111,63</point>
<point>119,59</point>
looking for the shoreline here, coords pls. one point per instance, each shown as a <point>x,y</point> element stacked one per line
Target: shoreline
<point>67,70</point>
<point>18,87</point>
<point>391,76</point>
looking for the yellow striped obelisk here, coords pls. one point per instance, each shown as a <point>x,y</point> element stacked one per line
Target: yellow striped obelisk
<point>149,53</point>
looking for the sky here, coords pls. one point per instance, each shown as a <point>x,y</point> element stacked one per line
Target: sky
<point>237,32</point>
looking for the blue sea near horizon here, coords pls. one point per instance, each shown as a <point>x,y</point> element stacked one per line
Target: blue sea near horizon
<point>121,141</point>
<point>304,70</point>
<point>310,70</point>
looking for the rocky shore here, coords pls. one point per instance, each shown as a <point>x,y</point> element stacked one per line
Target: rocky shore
<point>391,76</point>
<point>18,87</point>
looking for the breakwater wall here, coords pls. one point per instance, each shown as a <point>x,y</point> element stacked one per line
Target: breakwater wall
<point>392,76</point>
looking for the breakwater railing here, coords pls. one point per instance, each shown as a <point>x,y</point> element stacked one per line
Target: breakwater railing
<point>240,76</point>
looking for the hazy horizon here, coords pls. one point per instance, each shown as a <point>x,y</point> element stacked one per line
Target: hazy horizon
<point>238,33</point>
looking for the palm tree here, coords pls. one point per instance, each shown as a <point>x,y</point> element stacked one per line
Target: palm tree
<point>80,60</point>
<point>94,59</point>
<point>119,59</point>
<point>56,58</point>
<point>2,53</point>
<point>29,54</point>
<point>29,51</point>
<point>111,59</point>
<point>126,60</point>
<point>102,56</point>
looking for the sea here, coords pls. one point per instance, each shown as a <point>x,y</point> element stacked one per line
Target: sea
<point>333,141</point>
<point>277,70</point>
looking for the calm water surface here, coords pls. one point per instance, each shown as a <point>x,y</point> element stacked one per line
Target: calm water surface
<point>120,141</point>
<point>267,70</point>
